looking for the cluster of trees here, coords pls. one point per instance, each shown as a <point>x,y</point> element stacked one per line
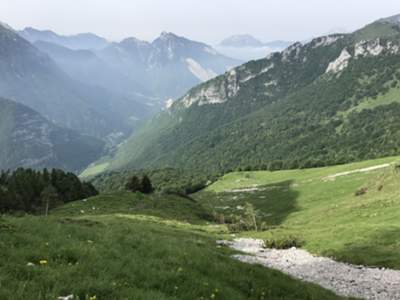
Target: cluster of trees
<point>140,185</point>
<point>167,180</point>
<point>34,191</point>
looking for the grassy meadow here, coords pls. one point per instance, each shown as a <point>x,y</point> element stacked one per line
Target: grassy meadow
<point>322,212</point>
<point>131,246</point>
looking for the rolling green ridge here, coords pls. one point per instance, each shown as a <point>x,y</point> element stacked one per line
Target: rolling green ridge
<point>307,106</point>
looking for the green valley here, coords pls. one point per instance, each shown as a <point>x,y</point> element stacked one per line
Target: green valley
<point>160,169</point>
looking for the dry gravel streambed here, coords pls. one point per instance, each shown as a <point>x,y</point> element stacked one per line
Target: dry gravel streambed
<point>341,278</point>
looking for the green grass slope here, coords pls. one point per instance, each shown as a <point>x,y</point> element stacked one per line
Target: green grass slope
<point>322,210</point>
<point>127,246</point>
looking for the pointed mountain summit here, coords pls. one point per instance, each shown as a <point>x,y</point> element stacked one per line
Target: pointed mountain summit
<point>169,65</point>
<point>242,41</point>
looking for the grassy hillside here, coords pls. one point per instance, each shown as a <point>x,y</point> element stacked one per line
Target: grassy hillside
<point>127,246</point>
<point>320,208</point>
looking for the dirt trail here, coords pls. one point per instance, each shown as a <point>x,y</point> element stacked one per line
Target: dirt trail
<point>332,177</point>
<point>343,279</point>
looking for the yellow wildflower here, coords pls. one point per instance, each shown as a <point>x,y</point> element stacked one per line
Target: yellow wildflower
<point>43,262</point>
<point>93,297</point>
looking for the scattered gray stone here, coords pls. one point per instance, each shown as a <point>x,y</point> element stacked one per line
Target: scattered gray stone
<point>69,297</point>
<point>343,279</point>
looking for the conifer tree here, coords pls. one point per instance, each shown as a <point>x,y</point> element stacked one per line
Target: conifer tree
<point>147,187</point>
<point>134,185</point>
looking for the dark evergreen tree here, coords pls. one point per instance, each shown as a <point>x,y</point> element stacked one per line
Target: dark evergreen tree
<point>147,187</point>
<point>134,184</point>
<point>33,191</point>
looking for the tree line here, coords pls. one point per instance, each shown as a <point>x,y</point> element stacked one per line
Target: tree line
<point>166,181</point>
<point>33,191</point>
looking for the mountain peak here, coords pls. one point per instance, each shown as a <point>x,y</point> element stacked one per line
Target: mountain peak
<point>5,25</point>
<point>133,41</point>
<point>168,36</point>
<point>241,41</point>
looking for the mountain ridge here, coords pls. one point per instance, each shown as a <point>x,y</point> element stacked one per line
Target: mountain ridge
<point>81,41</point>
<point>169,65</point>
<point>285,111</point>
<point>32,78</point>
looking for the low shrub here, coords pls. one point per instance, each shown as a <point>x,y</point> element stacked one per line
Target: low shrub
<point>361,192</point>
<point>283,242</point>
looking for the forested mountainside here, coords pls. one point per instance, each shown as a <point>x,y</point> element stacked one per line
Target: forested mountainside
<point>29,140</point>
<point>332,100</point>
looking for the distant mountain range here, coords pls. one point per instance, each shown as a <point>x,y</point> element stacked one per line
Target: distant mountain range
<point>248,41</point>
<point>168,66</point>
<point>332,100</point>
<point>76,42</point>
<point>241,40</point>
<point>32,78</point>
<point>247,47</point>
<point>165,68</point>
<point>84,87</point>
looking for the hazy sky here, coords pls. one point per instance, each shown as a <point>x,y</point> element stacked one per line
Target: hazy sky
<point>205,20</point>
